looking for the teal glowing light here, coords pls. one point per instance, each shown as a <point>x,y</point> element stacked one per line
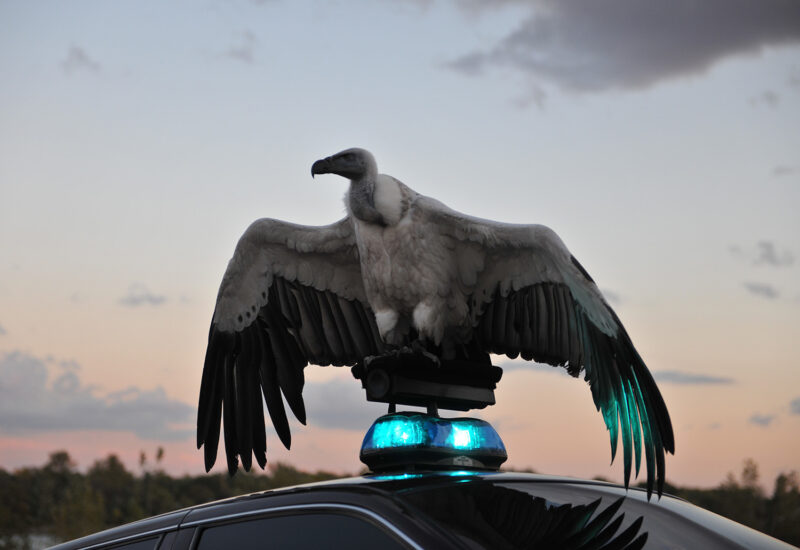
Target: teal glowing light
<point>462,438</point>
<point>411,440</point>
<point>396,477</point>
<point>397,431</point>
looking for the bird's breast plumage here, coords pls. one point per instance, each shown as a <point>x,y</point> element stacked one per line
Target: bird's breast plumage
<point>411,264</point>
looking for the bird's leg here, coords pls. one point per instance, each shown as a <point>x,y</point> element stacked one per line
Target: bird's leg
<point>392,408</point>
<point>391,327</point>
<point>417,347</point>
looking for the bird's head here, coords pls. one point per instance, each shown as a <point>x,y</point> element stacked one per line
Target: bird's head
<point>352,163</point>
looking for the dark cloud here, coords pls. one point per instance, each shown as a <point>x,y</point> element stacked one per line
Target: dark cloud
<point>139,295</point>
<point>762,420</point>
<point>37,398</point>
<point>78,60</point>
<point>763,290</point>
<point>629,44</point>
<point>794,406</point>
<point>690,378</point>
<point>244,49</point>
<point>340,404</point>
<point>3,331</point>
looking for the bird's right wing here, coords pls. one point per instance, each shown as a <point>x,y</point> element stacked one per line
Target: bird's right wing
<point>530,297</point>
<point>291,295</point>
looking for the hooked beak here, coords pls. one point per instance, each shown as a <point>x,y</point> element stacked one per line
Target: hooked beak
<point>322,166</point>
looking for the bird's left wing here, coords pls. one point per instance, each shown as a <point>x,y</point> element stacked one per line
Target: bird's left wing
<point>291,295</point>
<point>530,297</point>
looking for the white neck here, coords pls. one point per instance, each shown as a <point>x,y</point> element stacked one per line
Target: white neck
<point>388,199</point>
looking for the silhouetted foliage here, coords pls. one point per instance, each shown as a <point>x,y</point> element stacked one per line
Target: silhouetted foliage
<point>58,500</point>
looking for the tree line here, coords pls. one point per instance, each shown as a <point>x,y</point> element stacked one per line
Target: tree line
<point>61,503</point>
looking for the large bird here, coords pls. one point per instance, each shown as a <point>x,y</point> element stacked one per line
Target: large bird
<point>402,268</point>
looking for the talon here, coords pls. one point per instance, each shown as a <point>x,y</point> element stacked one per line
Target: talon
<point>419,348</point>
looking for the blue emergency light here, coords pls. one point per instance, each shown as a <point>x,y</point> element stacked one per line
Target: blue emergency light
<point>411,440</point>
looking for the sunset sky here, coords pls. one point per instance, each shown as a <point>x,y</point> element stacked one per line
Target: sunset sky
<point>138,139</point>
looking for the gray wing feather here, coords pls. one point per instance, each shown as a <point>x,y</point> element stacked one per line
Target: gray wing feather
<point>291,295</point>
<point>325,258</point>
<point>529,296</point>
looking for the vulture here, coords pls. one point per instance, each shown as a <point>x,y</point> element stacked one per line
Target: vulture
<point>399,269</point>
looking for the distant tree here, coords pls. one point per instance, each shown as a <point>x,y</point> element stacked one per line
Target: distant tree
<point>115,485</point>
<point>783,509</point>
<point>744,501</point>
<point>284,475</point>
<point>16,517</point>
<point>79,513</point>
<point>60,463</point>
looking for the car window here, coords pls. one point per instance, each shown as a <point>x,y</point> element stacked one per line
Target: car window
<point>671,523</point>
<point>301,531</point>
<point>146,544</point>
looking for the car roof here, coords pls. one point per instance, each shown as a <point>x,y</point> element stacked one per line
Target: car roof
<point>358,487</point>
<point>388,493</point>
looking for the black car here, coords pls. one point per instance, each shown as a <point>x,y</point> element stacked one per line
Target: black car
<point>438,509</point>
<point>437,486</point>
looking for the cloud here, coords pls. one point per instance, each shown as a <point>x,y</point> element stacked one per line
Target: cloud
<point>244,50</point>
<point>794,79</point>
<point>139,295</point>
<point>628,44</point>
<point>794,406</point>
<point>38,398</point>
<point>340,404</point>
<point>612,297</point>
<point>767,97</point>
<point>690,378</point>
<point>763,290</point>
<point>78,60</point>
<point>764,253</point>
<point>762,420</point>
<point>3,331</point>
<point>767,254</point>
<point>783,170</point>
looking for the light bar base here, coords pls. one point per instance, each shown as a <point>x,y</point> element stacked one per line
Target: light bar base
<point>412,441</point>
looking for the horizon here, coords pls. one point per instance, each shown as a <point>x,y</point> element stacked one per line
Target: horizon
<point>137,143</point>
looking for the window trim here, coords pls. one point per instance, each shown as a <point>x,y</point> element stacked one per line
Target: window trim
<point>114,543</point>
<point>279,510</point>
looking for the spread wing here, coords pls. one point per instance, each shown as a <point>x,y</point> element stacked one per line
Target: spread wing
<point>530,297</point>
<point>291,295</point>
